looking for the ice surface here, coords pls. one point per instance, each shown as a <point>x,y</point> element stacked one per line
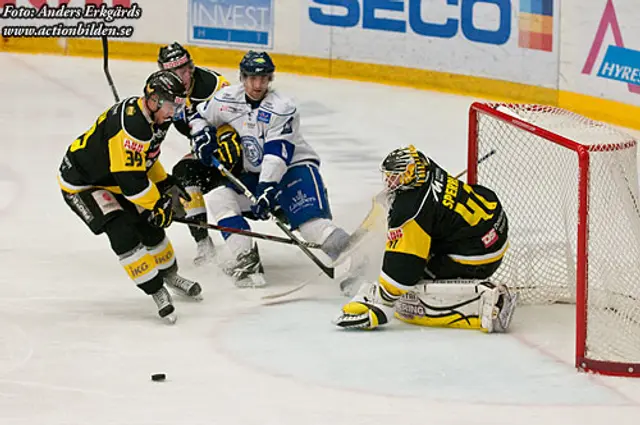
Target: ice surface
<point>78,341</point>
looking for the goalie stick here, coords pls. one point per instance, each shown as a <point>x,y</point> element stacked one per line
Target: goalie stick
<point>365,226</point>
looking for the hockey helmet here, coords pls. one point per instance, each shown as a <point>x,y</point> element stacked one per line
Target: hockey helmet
<point>256,63</point>
<point>168,87</point>
<point>173,56</point>
<point>404,168</point>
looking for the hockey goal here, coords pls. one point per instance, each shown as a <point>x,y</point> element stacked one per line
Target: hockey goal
<point>569,186</point>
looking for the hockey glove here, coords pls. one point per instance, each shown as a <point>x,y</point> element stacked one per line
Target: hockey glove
<point>162,213</point>
<point>267,201</point>
<point>169,184</point>
<point>229,149</point>
<point>204,144</point>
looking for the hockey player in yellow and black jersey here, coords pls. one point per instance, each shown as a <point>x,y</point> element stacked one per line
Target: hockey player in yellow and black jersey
<point>197,178</point>
<point>445,239</point>
<point>112,179</point>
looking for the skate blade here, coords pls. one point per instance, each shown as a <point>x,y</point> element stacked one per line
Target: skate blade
<point>170,319</point>
<point>204,261</point>
<point>180,293</point>
<point>252,281</point>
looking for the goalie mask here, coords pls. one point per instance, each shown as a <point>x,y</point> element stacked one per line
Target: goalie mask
<point>404,168</point>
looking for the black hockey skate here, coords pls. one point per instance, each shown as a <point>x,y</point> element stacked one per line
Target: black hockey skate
<point>184,286</point>
<point>163,300</point>
<point>247,270</point>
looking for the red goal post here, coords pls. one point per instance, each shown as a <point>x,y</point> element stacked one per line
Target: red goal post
<point>569,187</point>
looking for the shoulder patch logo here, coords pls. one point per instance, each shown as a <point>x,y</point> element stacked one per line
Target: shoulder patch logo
<point>130,110</point>
<point>264,116</point>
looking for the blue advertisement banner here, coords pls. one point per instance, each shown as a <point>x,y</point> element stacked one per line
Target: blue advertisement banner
<point>621,64</point>
<point>231,22</point>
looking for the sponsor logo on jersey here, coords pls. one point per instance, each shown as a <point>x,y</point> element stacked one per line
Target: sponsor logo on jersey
<point>81,208</point>
<point>229,108</point>
<point>394,234</point>
<point>106,201</point>
<point>252,150</point>
<point>301,201</point>
<point>264,116</point>
<point>490,238</point>
<point>133,146</point>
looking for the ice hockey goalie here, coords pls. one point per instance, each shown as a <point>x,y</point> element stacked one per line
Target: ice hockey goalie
<point>445,240</point>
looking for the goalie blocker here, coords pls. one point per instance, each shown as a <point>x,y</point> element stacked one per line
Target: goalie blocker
<point>445,240</point>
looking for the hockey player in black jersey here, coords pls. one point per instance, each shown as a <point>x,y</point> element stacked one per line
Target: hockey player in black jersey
<point>445,240</point>
<point>197,178</point>
<point>112,179</point>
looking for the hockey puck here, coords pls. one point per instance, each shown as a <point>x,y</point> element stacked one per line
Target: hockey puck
<point>158,377</point>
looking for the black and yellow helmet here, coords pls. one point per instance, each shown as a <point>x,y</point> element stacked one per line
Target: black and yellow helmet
<point>404,168</point>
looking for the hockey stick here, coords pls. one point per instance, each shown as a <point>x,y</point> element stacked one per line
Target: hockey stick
<point>329,271</point>
<point>205,225</point>
<point>105,67</point>
<point>369,221</point>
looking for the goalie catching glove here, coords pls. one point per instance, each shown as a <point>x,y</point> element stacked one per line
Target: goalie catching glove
<point>221,143</point>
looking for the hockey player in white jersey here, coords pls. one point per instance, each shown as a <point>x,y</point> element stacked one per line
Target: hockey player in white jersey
<point>278,166</point>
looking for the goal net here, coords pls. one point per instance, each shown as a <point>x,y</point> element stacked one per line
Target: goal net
<point>569,186</point>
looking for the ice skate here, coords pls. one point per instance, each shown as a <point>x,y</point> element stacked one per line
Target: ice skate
<point>205,252</point>
<point>247,270</point>
<point>165,305</point>
<point>183,286</point>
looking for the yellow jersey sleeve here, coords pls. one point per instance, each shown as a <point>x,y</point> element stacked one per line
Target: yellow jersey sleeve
<point>157,172</point>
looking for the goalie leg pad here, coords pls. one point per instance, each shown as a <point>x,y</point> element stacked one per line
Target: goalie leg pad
<point>458,304</point>
<point>497,308</point>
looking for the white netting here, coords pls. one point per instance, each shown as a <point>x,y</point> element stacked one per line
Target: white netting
<point>537,181</point>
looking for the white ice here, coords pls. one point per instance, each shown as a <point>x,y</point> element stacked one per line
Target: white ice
<point>78,341</point>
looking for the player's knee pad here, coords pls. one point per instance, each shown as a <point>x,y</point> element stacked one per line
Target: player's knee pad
<point>150,235</point>
<point>140,265</point>
<point>224,202</point>
<point>324,232</point>
<point>458,304</point>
